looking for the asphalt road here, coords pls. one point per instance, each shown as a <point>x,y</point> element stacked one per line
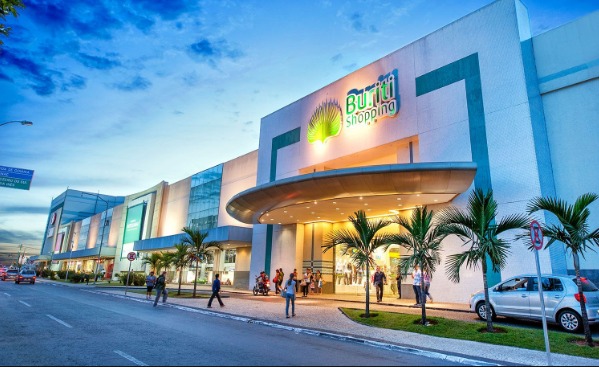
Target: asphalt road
<point>46,324</point>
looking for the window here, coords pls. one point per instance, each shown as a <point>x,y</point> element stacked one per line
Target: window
<point>516,284</point>
<point>230,256</point>
<point>204,199</point>
<point>549,285</point>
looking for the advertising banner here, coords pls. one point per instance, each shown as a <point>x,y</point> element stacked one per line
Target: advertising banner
<point>134,223</point>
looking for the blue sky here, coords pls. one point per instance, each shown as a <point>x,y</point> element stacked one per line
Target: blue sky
<point>125,94</point>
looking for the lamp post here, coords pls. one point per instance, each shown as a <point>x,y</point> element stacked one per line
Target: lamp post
<point>22,122</point>
<point>66,278</point>
<point>102,237</point>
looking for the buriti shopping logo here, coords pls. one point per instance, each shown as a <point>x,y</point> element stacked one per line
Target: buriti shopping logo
<point>363,107</point>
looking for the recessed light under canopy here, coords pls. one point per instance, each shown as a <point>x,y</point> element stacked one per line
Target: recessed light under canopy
<point>380,186</point>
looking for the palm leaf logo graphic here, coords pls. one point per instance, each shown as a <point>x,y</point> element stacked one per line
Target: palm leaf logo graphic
<point>325,122</point>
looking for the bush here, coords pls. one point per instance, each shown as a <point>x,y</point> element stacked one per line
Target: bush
<point>136,278</point>
<point>47,273</point>
<point>61,274</point>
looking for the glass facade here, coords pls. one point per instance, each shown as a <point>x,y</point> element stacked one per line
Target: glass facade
<point>204,198</point>
<point>83,234</point>
<point>104,227</point>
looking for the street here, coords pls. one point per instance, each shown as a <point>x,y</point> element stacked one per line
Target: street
<point>46,324</point>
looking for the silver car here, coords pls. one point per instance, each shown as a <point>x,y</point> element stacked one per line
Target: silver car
<point>518,297</point>
<point>26,275</point>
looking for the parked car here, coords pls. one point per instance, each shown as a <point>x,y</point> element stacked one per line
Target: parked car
<point>25,275</point>
<point>518,297</point>
<point>10,274</point>
<point>3,270</point>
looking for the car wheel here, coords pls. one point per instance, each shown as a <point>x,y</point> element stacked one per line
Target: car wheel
<point>481,311</point>
<point>255,292</point>
<point>16,282</point>
<point>33,282</point>
<point>570,321</point>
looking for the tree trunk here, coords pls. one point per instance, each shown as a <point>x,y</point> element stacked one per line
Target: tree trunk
<point>367,290</point>
<point>195,281</point>
<point>422,296</point>
<point>180,277</point>
<point>583,308</point>
<point>487,302</point>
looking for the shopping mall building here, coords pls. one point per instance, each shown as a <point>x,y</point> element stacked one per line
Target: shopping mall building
<point>477,104</point>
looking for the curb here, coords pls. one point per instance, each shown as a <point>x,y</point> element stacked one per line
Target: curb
<point>315,332</point>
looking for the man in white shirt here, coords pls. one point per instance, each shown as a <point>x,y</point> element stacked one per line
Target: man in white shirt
<point>417,276</point>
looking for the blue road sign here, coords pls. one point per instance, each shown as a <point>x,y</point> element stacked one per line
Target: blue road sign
<point>15,178</point>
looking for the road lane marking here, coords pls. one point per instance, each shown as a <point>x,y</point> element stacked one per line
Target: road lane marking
<point>59,321</point>
<point>132,359</point>
<point>25,303</point>
<point>7,294</point>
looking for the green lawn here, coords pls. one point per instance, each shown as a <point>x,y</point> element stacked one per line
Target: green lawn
<point>454,329</point>
<point>172,293</point>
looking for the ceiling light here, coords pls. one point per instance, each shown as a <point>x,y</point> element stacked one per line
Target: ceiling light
<point>268,215</point>
<point>417,194</point>
<point>285,211</point>
<point>436,200</point>
<point>334,202</point>
<point>398,198</point>
<point>361,198</point>
<point>366,204</point>
<point>336,208</point>
<point>315,203</point>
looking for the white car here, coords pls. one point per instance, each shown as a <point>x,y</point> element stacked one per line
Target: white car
<point>518,297</point>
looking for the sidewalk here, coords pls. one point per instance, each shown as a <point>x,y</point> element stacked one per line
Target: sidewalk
<point>321,318</point>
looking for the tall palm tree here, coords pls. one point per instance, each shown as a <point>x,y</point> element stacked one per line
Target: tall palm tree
<point>477,229</point>
<point>361,241</point>
<point>573,231</point>
<point>198,249</point>
<point>423,243</point>
<point>154,260</point>
<point>180,260</point>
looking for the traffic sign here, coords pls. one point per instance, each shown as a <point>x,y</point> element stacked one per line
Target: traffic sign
<point>536,235</point>
<point>15,178</point>
<point>131,256</point>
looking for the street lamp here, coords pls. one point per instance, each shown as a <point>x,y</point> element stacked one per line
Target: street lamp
<point>22,122</point>
<point>103,230</point>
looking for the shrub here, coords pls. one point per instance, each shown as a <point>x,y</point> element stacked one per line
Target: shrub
<point>61,274</point>
<point>136,278</point>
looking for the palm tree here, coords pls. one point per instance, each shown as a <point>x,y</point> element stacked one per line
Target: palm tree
<point>361,241</point>
<point>198,249</point>
<point>180,260</point>
<point>154,260</point>
<point>167,259</point>
<point>573,231</point>
<point>423,242</point>
<point>476,228</point>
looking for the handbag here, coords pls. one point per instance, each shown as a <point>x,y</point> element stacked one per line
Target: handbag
<point>284,293</point>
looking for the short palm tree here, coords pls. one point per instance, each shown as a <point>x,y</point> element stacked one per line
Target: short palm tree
<point>167,259</point>
<point>154,260</point>
<point>573,231</point>
<point>198,249</point>
<point>360,242</point>
<point>423,242</point>
<point>477,229</point>
<point>180,260</point>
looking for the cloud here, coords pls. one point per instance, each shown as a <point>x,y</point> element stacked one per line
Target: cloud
<point>24,209</point>
<point>171,11</point>
<point>137,83</point>
<point>336,58</point>
<point>97,62</point>
<point>20,236</point>
<point>75,82</point>
<point>212,52</point>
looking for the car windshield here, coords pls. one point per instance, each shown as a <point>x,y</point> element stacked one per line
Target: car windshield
<point>587,285</point>
<point>29,272</point>
<point>12,271</point>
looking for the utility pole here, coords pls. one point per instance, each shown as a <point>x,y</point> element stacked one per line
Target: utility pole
<point>19,257</point>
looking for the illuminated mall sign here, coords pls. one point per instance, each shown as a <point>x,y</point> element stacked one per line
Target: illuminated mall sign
<point>362,107</point>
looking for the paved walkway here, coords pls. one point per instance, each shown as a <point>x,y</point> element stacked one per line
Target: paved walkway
<point>321,313</point>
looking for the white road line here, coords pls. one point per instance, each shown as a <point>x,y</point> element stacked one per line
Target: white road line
<point>25,303</point>
<point>59,321</point>
<point>132,359</point>
<point>7,294</point>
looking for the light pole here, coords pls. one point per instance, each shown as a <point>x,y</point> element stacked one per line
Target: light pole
<point>66,278</point>
<point>22,122</point>
<point>102,237</point>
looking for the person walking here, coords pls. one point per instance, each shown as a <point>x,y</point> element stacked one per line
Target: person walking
<point>306,283</point>
<point>275,281</point>
<point>289,290</point>
<point>379,279</point>
<point>281,279</point>
<point>427,285</point>
<point>398,280</point>
<point>161,288</point>
<point>296,280</point>
<point>417,275</point>
<point>215,290</point>
<point>318,282</point>
<point>150,283</point>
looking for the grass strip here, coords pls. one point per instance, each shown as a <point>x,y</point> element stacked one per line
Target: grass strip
<point>454,329</point>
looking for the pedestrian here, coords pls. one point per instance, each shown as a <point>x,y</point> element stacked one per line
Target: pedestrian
<point>379,279</point>
<point>215,290</point>
<point>86,277</point>
<point>161,288</point>
<point>417,275</point>
<point>275,281</point>
<point>318,282</point>
<point>296,280</point>
<point>290,289</point>
<point>398,279</point>
<point>427,285</point>
<point>281,279</point>
<point>306,283</point>
<point>150,283</point>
